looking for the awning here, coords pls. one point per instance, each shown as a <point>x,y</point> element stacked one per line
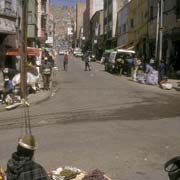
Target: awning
<point>30,52</point>
<point>130,46</point>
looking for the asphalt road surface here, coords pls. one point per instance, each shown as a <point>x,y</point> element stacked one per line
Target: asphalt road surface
<point>97,120</point>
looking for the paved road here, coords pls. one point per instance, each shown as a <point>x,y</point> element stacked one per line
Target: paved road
<point>97,120</point>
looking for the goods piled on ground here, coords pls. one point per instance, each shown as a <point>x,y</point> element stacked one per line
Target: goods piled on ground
<point>65,173</point>
<point>95,175</point>
<point>71,173</point>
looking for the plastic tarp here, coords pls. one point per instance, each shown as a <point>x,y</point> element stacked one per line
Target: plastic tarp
<point>152,78</point>
<point>31,80</point>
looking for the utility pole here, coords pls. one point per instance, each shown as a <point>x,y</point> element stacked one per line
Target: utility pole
<point>24,49</point>
<point>161,31</point>
<point>157,33</point>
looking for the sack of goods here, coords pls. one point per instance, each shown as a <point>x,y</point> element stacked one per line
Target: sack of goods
<point>47,71</point>
<point>166,86</point>
<point>173,168</point>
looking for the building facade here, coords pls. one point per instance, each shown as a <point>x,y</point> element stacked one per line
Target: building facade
<point>171,34</point>
<point>111,7</point>
<point>8,27</point>
<point>80,9</point>
<point>91,7</point>
<point>32,32</point>
<point>123,26</point>
<point>97,38</point>
<point>42,21</point>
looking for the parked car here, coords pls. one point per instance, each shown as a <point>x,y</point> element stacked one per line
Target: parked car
<point>77,52</point>
<point>61,52</point>
<point>126,55</point>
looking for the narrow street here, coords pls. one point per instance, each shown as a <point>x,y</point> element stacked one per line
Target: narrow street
<point>94,119</point>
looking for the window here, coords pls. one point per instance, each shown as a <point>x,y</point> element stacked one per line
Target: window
<point>30,17</point>
<point>124,28</point>
<point>132,23</point>
<point>151,12</point>
<point>178,9</point>
<point>119,30</point>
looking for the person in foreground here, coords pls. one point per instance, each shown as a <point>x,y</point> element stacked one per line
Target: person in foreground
<point>21,165</point>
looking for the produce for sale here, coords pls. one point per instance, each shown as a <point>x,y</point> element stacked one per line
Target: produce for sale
<point>95,175</point>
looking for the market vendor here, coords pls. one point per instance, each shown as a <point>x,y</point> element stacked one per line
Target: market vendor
<point>21,166</point>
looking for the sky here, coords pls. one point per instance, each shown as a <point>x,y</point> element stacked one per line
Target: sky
<point>66,2</point>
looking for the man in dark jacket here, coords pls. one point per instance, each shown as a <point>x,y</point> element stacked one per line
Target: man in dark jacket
<point>21,166</point>
<point>46,73</point>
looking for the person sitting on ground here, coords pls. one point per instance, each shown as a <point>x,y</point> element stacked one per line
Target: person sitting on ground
<point>8,87</point>
<point>21,165</point>
<point>149,69</point>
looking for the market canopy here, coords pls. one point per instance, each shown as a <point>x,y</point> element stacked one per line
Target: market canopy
<point>30,52</point>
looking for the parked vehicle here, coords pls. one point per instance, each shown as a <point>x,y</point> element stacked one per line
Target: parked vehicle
<point>126,55</point>
<point>78,52</point>
<point>61,52</point>
<point>105,58</point>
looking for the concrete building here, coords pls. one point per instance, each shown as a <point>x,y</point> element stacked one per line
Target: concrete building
<point>91,7</point>
<point>123,26</point>
<point>43,16</point>
<point>64,18</point>
<point>97,38</point>
<point>141,10</point>
<point>111,7</point>
<point>8,27</point>
<point>171,34</point>
<point>80,9</point>
<point>50,32</point>
<point>32,35</point>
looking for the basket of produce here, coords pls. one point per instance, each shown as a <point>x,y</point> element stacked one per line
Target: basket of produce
<point>65,173</point>
<point>71,173</point>
<point>95,175</point>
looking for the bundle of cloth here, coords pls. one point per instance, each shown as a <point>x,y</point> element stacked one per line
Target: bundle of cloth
<point>32,80</point>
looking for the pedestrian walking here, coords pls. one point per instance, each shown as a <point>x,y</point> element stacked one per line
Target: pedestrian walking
<point>21,165</point>
<point>1,84</point>
<point>46,73</point>
<point>65,61</point>
<point>87,61</point>
<point>162,71</point>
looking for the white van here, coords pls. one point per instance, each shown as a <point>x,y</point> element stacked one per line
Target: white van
<point>127,55</point>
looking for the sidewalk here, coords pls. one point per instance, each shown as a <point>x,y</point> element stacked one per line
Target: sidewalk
<point>36,98</point>
<point>174,82</point>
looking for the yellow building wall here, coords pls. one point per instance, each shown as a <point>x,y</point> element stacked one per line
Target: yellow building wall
<point>138,11</point>
<point>132,15</point>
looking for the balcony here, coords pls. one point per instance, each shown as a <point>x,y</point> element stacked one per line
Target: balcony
<point>7,12</point>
